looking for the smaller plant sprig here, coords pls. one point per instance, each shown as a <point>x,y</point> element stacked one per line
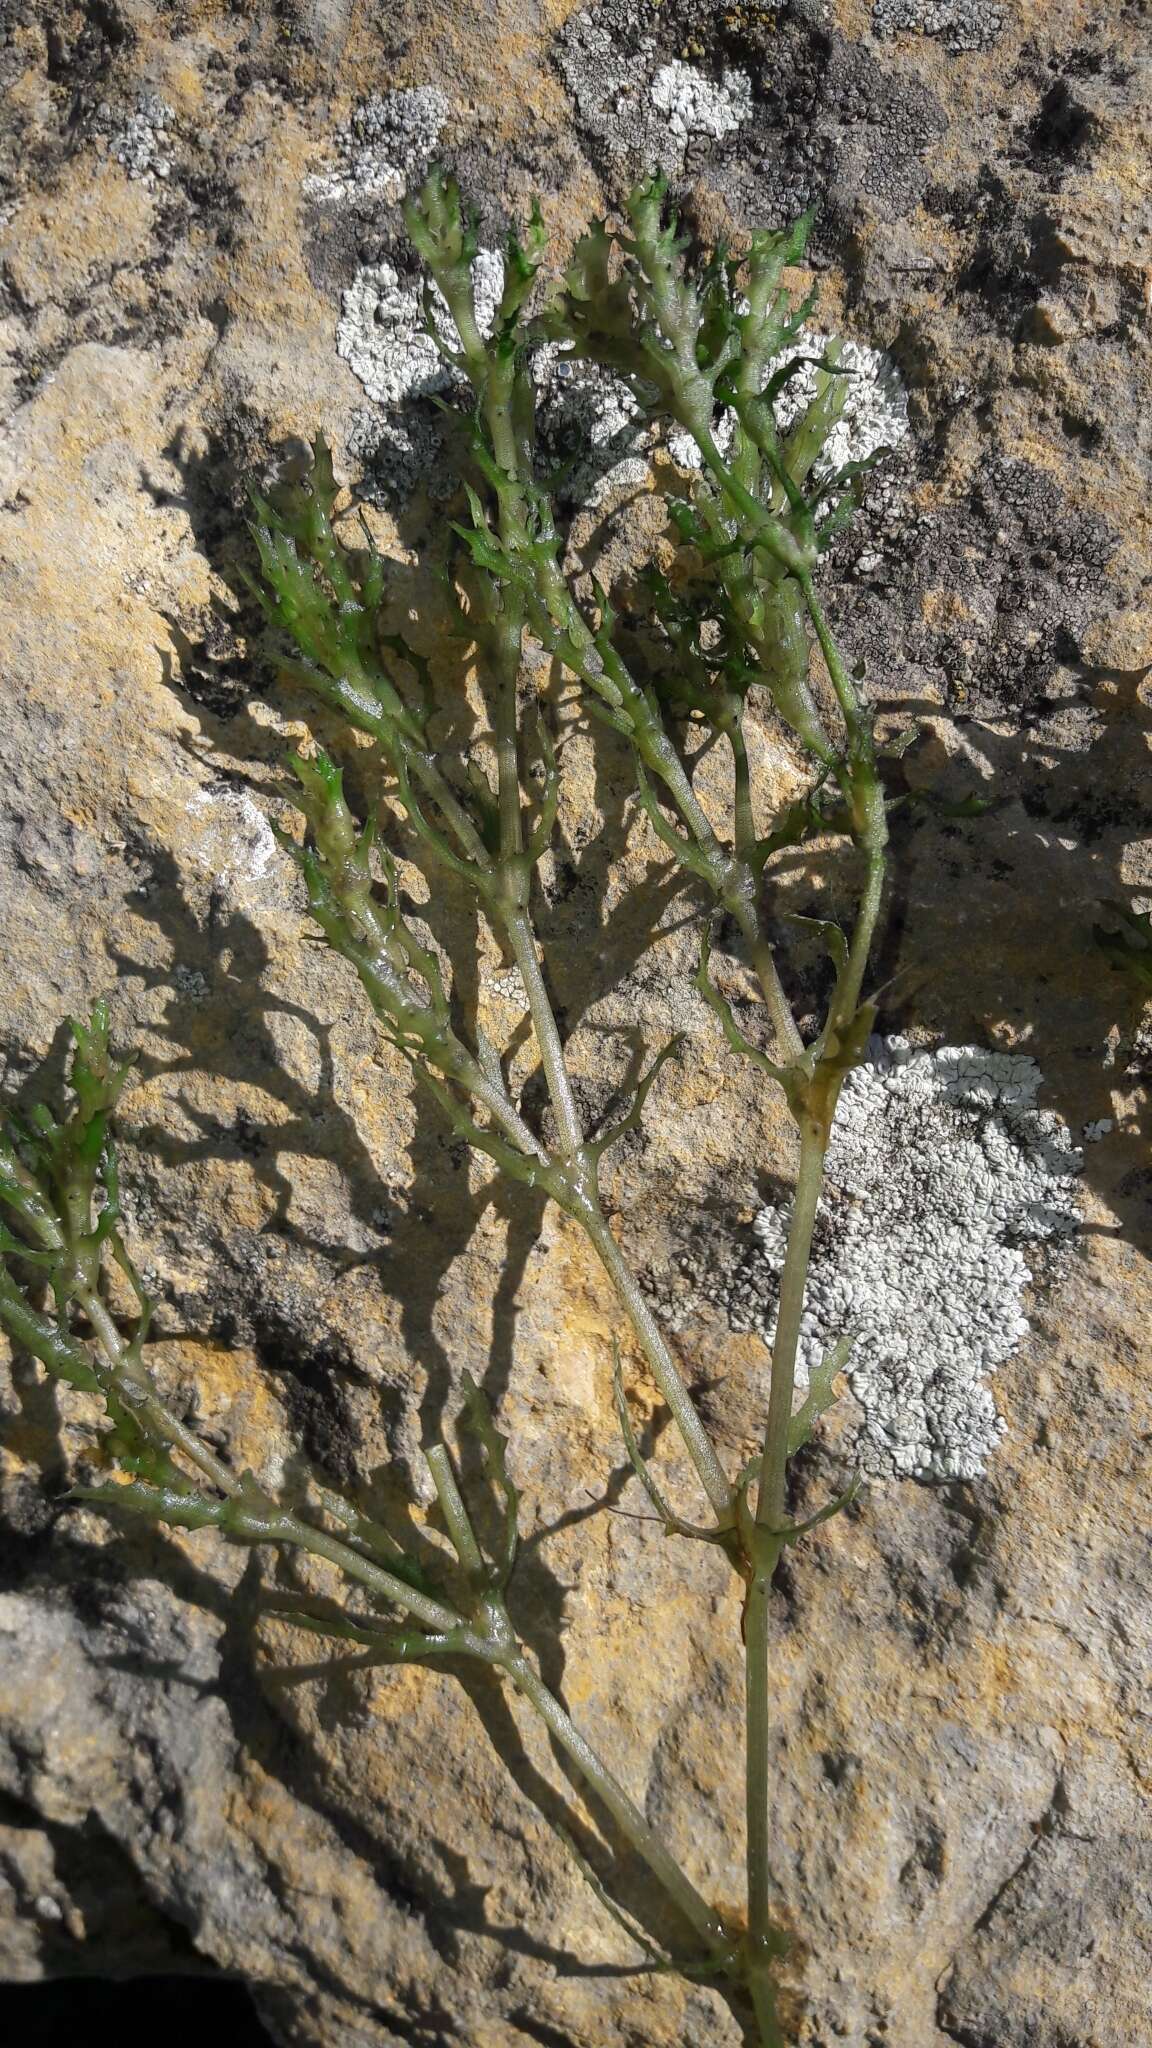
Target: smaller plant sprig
<point>61,1238</point>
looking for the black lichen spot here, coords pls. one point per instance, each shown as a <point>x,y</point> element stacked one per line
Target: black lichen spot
<point>1060,134</point>
<point>1026,567</point>
<point>313,1378</point>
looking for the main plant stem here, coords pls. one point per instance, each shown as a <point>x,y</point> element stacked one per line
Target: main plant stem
<point>767,1540</point>
<point>767,1543</point>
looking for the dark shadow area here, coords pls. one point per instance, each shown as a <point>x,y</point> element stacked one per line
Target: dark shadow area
<point>135,2012</point>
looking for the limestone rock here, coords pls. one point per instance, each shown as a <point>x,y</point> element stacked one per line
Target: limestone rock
<point>190,199</point>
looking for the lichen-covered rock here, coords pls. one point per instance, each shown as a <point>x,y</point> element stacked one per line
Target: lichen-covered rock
<point>201,253</point>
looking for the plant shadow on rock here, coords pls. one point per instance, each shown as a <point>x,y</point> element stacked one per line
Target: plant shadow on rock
<point>97,1584</point>
<point>446,1902</point>
<point>317,1127</point>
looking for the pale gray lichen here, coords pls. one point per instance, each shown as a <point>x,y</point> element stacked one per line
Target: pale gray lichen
<point>695,105</point>
<point>142,144</point>
<point>592,428</point>
<point>383,337</point>
<point>638,109</point>
<point>387,145</point>
<point>962,24</point>
<point>235,841</point>
<point>940,1169</point>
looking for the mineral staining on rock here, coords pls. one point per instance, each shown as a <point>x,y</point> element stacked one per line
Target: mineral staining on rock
<point>928,1683</point>
<point>940,1168</point>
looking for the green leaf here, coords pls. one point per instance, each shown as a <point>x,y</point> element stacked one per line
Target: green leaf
<point>334,1625</point>
<point>831,934</point>
<point>673,1525</point>
<point>155,1503</point>
<point>825,1514</point>
<point>37,1332</point>
<point>631,1120</point>
<point>722,1009</point>
<point>97,1079</point>
<point>683,848</point>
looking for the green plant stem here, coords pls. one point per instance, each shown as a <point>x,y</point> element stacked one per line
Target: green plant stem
<point>522,940</point>
<point>786,1342</point>
<point>456,1518</point>
<point>756,1614</point>
<point>838,672</point>
<point>138,1394</point>
<point>864,931</point>
<point>766,1546</point>
<point>627,1815</point>
<point>761,1982</point>
<point>697,1442</point>
<point>741,907</point>
<point>426,771</point>
<point>762,528</point>
<point>734,882</point>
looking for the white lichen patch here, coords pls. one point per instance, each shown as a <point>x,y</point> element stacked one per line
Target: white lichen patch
<point>592,427</point>
<point>644,112</point>
<point>695,105</point>
<point>142,145</point>
<point>941,1168</point>
<point>382,334</point>
<point>875,413</point>
<point>387,145</point>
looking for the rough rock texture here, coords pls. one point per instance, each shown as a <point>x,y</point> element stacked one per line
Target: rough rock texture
<point>188,194</point>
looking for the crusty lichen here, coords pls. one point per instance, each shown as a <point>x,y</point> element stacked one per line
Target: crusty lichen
<point>639,110</point>
<point>961,24</point>
<point>940,1169</point>
<point>386,144</point>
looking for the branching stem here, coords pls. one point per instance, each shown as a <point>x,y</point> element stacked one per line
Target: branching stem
<point>138,1394</point>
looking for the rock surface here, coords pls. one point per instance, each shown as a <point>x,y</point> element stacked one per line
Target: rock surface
<point>191,197</point>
